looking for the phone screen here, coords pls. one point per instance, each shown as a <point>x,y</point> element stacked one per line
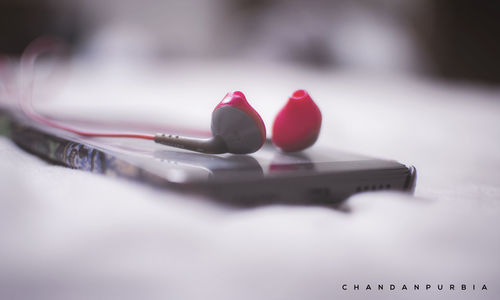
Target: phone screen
<point>268,175</point>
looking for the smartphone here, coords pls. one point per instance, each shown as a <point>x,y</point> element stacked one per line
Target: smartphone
<point>315,176</point>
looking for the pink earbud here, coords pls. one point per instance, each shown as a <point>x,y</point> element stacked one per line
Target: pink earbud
<point>298,123</point>
<point>236,128</point>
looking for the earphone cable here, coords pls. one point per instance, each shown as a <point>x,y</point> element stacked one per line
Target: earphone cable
<point>28,59</point>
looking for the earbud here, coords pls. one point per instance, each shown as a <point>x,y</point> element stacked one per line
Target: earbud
<point>298,123</point>
<point>236,128</point>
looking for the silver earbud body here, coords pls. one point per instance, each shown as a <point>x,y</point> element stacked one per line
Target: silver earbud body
<point>238,130</point>
<point>233,130</point>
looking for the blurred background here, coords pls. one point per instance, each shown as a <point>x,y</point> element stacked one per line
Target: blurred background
<point>448,39</point>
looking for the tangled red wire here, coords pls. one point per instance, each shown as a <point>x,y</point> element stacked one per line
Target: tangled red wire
<point>25,97</point>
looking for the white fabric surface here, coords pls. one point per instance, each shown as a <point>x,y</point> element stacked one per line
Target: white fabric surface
<point>67,234</point>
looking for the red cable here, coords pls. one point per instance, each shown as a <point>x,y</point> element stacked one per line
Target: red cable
<point>51,123</point>
<point>28,58</point>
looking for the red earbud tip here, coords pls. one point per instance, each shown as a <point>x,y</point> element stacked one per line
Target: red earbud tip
<point>298,123</point>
